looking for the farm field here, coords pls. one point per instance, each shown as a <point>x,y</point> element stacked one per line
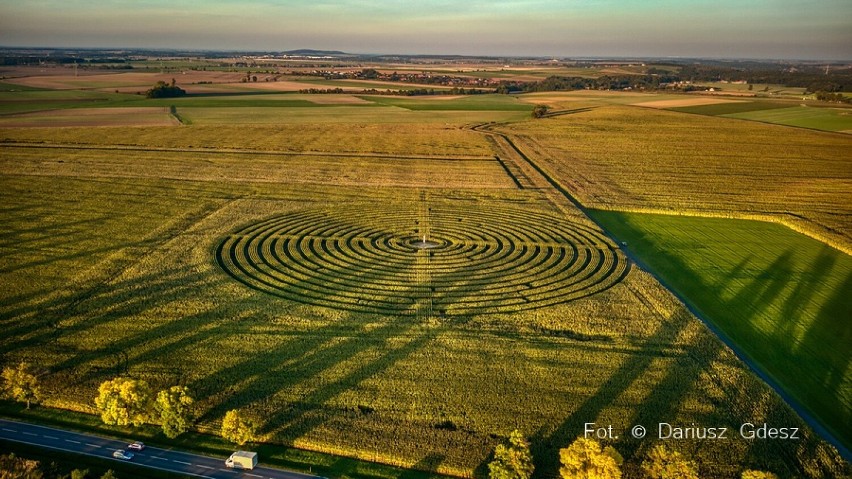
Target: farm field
<point>132,288</point>
<point>425,112</point>
<point>732,107</point>
<point>392,279</point>
<point>828,119</point>
<point>781,113</point>
<point>139,116</point>
<point>661,161</point>
<point>780,296</point>
<point>253,166</point>
<point>435,139</point>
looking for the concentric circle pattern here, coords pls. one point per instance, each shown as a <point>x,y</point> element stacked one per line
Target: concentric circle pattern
<point>438,261</point>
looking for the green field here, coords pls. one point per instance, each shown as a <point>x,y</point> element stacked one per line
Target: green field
<point>19,99</point>
<point>357,85</point>
<point>732,108</point>
<point>780,113</point>
<point>483,102</point>
<point>391,283</point>
<point>828,119</point>
<point>781,297</point>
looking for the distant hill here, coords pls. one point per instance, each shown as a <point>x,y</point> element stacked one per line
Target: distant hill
<point>314,53</point>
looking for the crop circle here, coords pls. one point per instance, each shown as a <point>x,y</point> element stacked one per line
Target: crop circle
<point>441,261</point>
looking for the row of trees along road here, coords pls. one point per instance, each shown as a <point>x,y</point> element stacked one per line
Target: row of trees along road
<point>123,401</point>
<point>587,459</point>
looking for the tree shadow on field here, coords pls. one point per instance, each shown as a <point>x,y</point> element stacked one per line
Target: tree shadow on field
<point>45,318</point>
<point>829,337</point>
<point>50,307</point>
<point>44,235</point>
<point>660,405</point>
<point>690,375</point>
<point>429,462</point>
<point>320,352</point>
<point>113,301</point>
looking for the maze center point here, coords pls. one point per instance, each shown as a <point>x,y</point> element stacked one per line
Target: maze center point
<point>423,243</point>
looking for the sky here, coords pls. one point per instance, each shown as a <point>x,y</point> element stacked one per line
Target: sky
<point>770,29</point>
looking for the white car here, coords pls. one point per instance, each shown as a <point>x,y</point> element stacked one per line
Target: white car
<point>123,455</point>
<point>136,446</point>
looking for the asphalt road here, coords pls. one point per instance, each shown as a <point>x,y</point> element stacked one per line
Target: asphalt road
<point>166,460</point>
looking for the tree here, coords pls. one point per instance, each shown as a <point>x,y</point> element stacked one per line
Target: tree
<point>124,401</point>
<point>21,385</point>
<point>173,407</point>
<point>513,461</point>
<point>163,90</point>
<point>237,428</point>
<point>539,111</point>
<point>663,463</point>
<point>586,459</point>
<point>110,474</point>
<point>79,474</point>
<point>753,474</point>
<point>13,467</point>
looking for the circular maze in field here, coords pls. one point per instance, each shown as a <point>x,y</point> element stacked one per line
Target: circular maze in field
<point>437,261</point>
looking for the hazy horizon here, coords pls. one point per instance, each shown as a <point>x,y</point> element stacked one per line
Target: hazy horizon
<point>764,29</point>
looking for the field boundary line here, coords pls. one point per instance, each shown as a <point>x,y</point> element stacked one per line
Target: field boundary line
<point>72,146</point>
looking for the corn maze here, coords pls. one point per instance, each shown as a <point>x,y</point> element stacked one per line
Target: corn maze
<point>423,261</point>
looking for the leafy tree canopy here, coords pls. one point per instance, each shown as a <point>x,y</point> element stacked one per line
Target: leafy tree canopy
<point>20,384</point>
<point>13,467</point>
<point>539,111</point>
<point>237,428</point>
<point>586,459</point>
<point>174,409</point>
<point>512,461</point>
<point>162,89</point>
<point>124,401</point>
<point>753,474</point>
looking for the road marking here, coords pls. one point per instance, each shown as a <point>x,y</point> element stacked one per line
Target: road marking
<point>75,442</point>
<point>9,430</point>
<point>100,455</point>
<point>92,445</point>
<point>181,462</point>
<point>160,458</point>
<point>50,437</point>
<point>30,434</point>
<point>206,467</point>
<point>252,475</point>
